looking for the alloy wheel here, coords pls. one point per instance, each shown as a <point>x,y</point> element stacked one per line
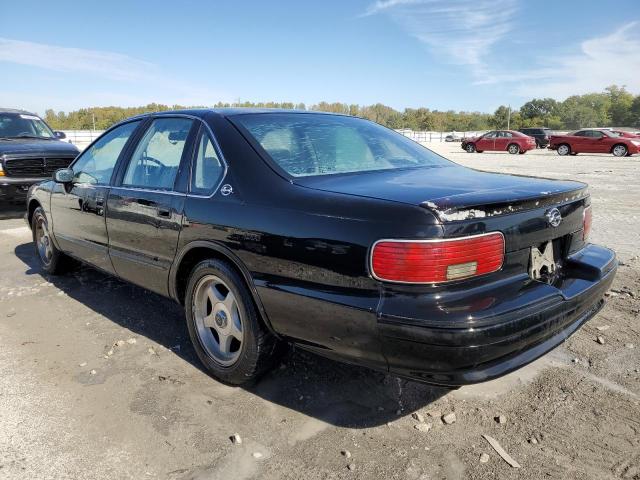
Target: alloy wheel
<point>218,320</point>
<point>43,241</point>
<point>619,150</point>
<point>513,149</point>
<point>563,149</point>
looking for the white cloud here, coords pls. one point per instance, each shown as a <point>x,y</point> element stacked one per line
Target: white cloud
<point>463,32</point>
<point>52,57</point>
<point>598,63</point>
<point>99,78</point>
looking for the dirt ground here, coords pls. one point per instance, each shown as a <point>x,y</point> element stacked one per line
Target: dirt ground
<point>75,403</point>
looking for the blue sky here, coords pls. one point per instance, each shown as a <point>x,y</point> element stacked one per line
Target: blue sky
<point>456,54</point>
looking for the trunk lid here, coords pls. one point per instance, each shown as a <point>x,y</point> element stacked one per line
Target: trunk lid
<point>448,190</point>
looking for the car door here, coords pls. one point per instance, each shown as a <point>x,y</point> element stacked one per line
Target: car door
<point>145,206</point>
<point>599,142</point>
<point>580,141</point>
<point>486,142</point>
<point>501,140</point>
<point>78,208</point>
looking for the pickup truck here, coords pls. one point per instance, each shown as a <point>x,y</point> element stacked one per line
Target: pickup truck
<point>30,151</point>
<point>594,141</point>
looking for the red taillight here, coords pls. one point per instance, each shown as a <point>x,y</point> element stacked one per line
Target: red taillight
<point>586,223</point>
<point>432,261</point>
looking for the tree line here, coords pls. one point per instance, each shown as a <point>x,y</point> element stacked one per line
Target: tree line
<point>614,107</point>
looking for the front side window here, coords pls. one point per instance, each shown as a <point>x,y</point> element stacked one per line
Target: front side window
<point>317,144</point>
<point>597,134</point>
<point>155,161</point>
<point>207,167</point>
<point>490,135</point>
<point>21,125</point>
<point>96,164</point>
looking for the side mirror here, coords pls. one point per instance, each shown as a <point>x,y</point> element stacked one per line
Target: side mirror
<point>63,175</point>
<point>59,135</point>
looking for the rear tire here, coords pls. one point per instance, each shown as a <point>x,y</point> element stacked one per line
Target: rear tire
<point>619,150</point>
<point>470,147</point>
<point>513,148</point>
<point>564,149</point>
<point>225,327</point>
<point>52,260</point>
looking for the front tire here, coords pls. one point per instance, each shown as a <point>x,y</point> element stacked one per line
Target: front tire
<point>513,149</point>
<point>619,150</point>
<point>564,149</point>
<point>225,327</point>
<point>470,147</point>
<point>52,260</point>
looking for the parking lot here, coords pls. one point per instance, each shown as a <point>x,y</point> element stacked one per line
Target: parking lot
<point>98,380</point>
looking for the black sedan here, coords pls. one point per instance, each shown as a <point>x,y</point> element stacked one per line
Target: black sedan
<point>330,232</point>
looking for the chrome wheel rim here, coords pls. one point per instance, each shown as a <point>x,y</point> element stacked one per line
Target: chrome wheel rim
<point>563,149</point>
<point>43,241</point>
<point>470,148</point>
<point>513,149</point>
<point>619,151</point>
<point>218,321</point>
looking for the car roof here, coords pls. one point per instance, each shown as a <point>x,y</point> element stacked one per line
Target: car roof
<point>230,111</point>
<point>15,110</point>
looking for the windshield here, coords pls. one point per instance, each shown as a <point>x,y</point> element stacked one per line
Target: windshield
<point>17,125</point>
<point>316,144</point>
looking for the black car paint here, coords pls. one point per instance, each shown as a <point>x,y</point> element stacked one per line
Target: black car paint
<point>13,188</point>
<point>541,135</point>
<point>303,246</point>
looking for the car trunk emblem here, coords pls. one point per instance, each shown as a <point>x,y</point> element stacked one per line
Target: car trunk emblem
<point>553,217</point>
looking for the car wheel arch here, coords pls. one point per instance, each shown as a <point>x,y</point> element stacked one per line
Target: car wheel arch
<point>197,251</point>
<point>33,204</point>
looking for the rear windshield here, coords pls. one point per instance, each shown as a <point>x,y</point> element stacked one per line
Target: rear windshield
<point>316,144</point>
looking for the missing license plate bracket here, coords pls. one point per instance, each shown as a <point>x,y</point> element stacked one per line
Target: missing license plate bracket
<point>542,266</point>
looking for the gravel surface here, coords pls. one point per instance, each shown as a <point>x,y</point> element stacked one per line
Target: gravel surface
<point>98,381</point>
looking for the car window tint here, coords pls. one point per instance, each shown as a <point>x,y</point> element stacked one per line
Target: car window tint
<point>596,134</point>
<point>312,144</point>
<point>207,167</point>
<point>96,164</point>
<point>155,161</point>
<point>581,133</point>
<point>490,135</point>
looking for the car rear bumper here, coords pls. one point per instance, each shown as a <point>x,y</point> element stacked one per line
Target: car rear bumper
<point>485,334</point>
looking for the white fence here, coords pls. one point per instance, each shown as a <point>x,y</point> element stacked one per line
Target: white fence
<point>82,138</point>
<point>436,136</point>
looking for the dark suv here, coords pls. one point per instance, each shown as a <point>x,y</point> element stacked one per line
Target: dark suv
<point>540,134</point>
<point>29,153</point>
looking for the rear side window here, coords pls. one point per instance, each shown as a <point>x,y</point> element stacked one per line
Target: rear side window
<point>207,168</point>
<point>96,164</point>
<point>155,161</point>
<point>317,144</point>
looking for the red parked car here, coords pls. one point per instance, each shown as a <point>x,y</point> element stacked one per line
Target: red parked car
<point>500,141</point>
<point>624,134</point>
<point>594,141</point>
